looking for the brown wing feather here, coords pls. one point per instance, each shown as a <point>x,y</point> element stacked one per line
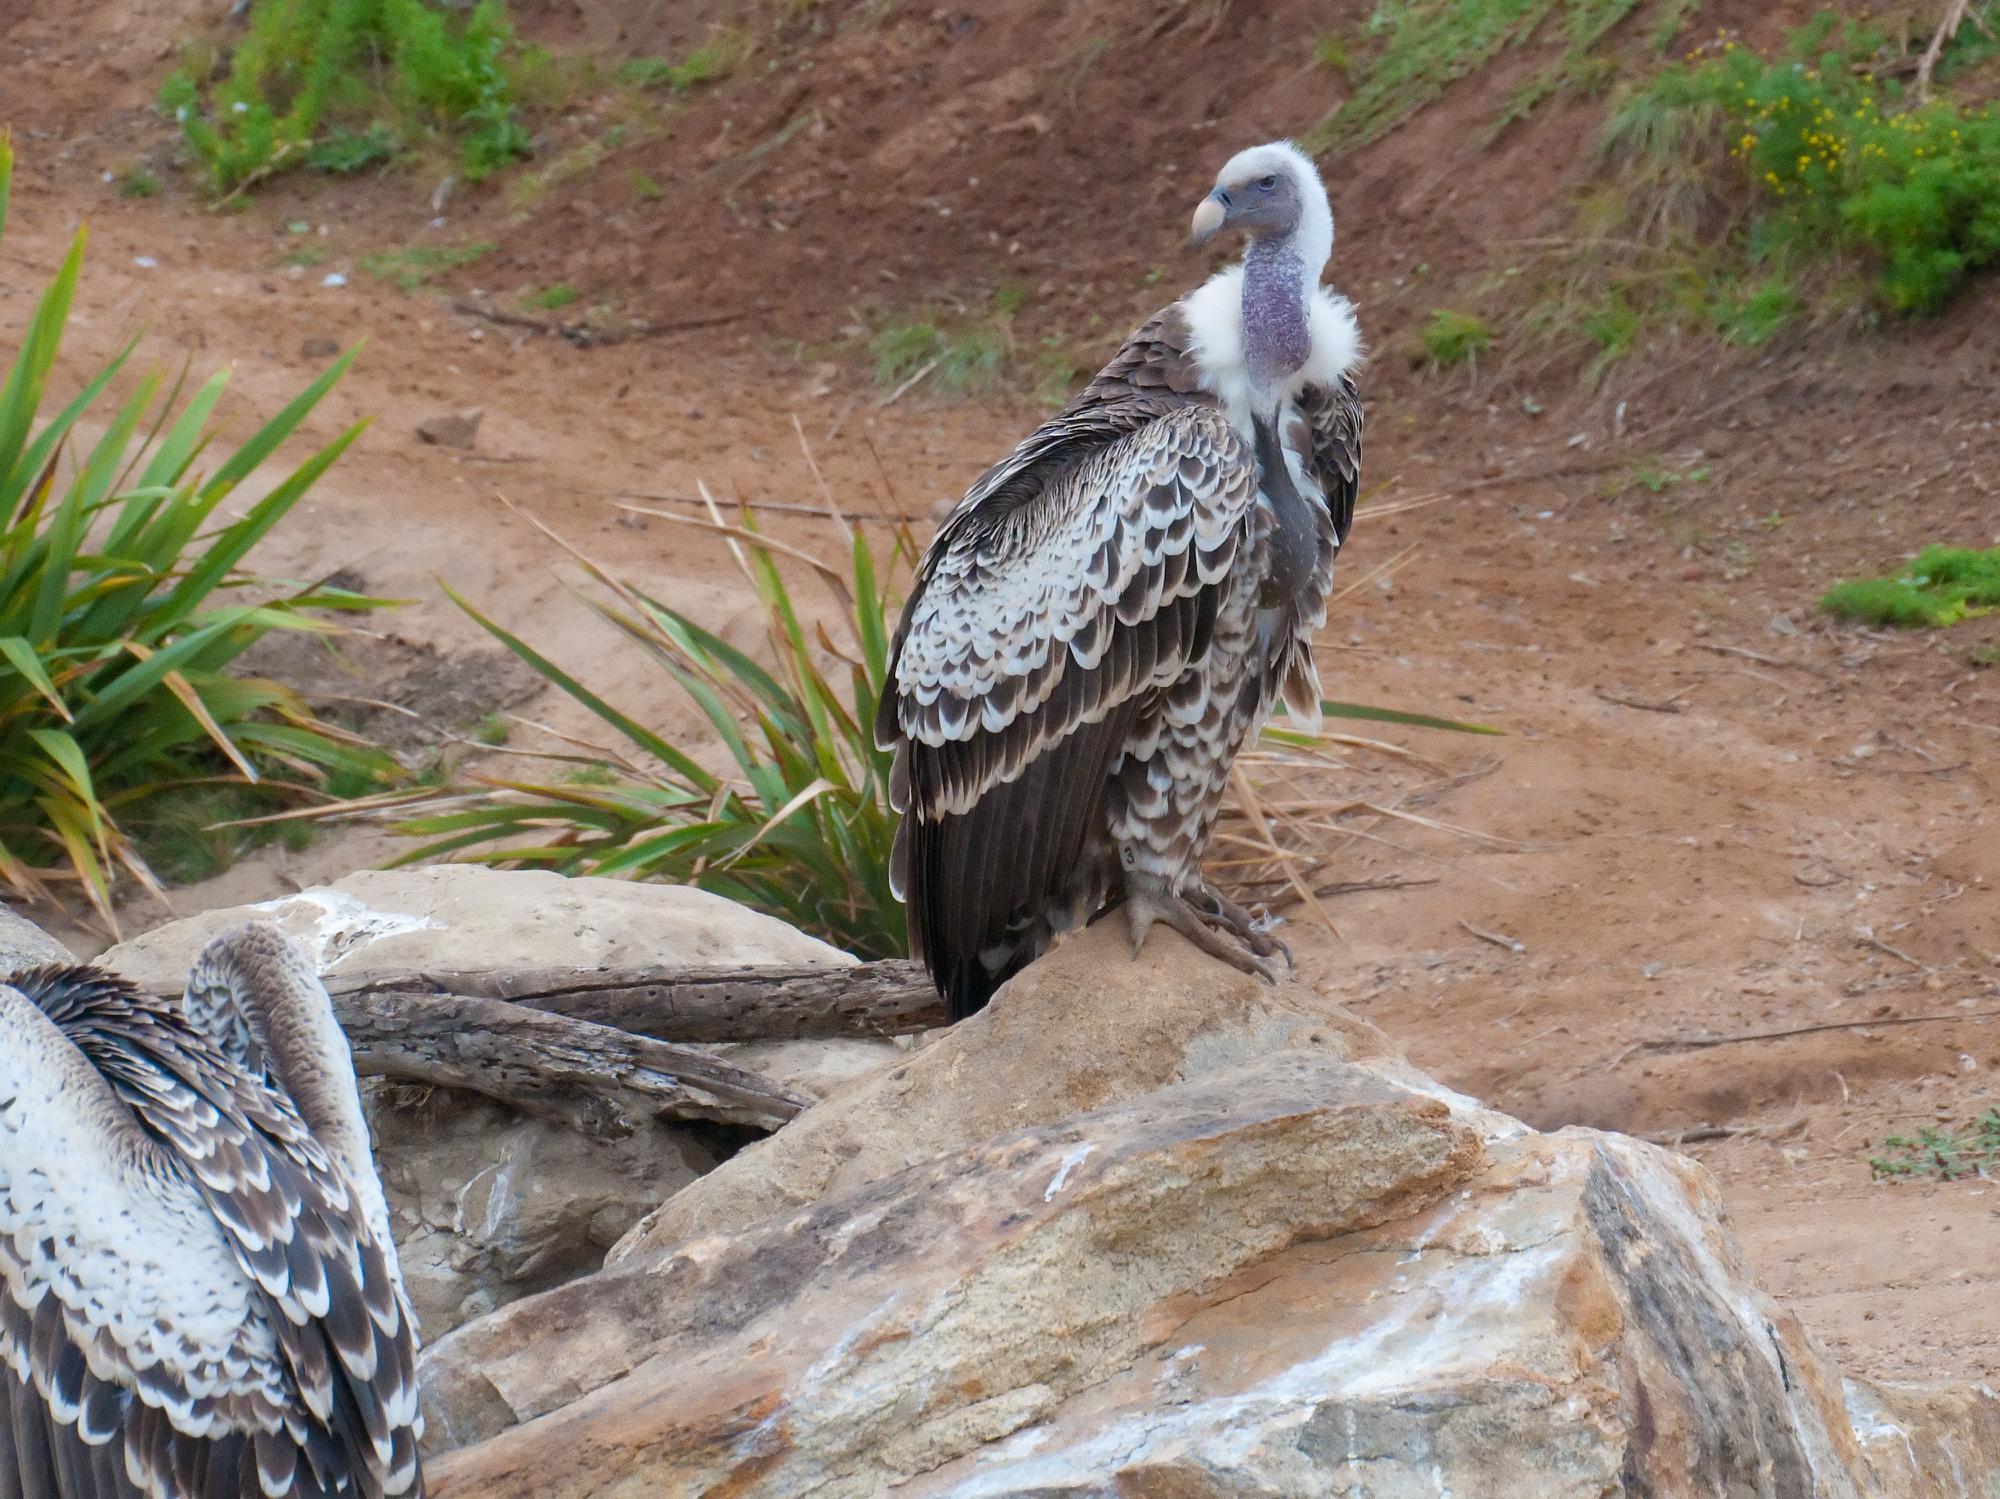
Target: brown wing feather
<point>1076,579</point>
<point>293,1224</point>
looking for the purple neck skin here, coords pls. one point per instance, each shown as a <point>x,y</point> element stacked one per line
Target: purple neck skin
<point>1276,337</point>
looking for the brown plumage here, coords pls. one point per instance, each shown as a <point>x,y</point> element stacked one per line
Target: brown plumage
<point>1109,614</point>
<point>199,1298</point>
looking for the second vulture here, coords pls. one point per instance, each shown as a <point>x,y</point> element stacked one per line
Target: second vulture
<point>1111,612</point>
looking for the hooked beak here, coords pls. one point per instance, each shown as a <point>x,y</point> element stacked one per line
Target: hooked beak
<point>1209,216</point>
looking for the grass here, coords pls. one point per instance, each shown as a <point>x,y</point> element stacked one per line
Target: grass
<point>1453,338</point>
<point>1942,586</point>
<point>966,354</point>
<point>123,606</point>
<point>551,298</point>
<point>1943,1154</point>
<point>137,182</point>
<point>711,62</point>
<point>342,85</point>
<point>411,267</point>
<point>799,825</point>
<point>1422,47</point>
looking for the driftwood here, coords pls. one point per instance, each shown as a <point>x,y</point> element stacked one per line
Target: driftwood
<point>690,1004</point>
<point>593,1078</point>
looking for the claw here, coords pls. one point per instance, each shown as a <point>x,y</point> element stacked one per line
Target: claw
<point>1204,925</point>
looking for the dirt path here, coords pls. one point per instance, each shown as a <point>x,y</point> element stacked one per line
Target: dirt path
<point>1712,816</point>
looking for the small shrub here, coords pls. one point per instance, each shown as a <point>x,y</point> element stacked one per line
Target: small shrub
<point>1837,157</point>
<point>1944,1154</point>
<point>969,354</point>
<point>711,62</point>
<point>1983,657</point>
<point>1942,586</point>
<point>122,608</point>
<point>137,182</point>
<point>341,85</point>
<point>1452,338</point>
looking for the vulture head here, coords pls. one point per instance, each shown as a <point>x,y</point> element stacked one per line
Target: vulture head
<point>1272,194</point>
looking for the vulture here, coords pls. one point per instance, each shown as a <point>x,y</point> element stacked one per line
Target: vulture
<point>199,1298</point>
<point>1111,611</point>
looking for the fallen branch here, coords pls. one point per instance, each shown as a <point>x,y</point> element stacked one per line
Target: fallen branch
<point>1512,944</point>
<point>890,998</point>
<point>597,1080</point>
<point>1954,17</point>
<point>585,336</point>
<point>1665,705</point>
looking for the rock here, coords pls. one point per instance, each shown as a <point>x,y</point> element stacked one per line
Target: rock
<point>489,1207</point>
<point>815,1067</point>
<point>451,429</point>
<point>467,918</point>
<point>1085,1027</point>
<point>1187,1236</point>
<point>1003,1277</point>
<point>23,944</point>
<point>320,347</point>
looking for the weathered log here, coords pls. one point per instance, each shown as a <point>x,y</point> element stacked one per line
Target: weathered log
<point>596,1079</point>
<point>695,1004</point>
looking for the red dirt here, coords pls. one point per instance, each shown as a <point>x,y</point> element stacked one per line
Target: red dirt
<point>1702,868</point>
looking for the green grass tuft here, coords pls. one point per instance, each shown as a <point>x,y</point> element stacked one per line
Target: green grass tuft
<point>1452,338</point>
<point>137,182</point>
<point>551,298</point>
<point>410,268</point>
<point>711,62</point>
<point>1942,586</point>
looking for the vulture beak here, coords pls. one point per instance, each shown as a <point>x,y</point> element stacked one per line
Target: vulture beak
<point>1209,216</point>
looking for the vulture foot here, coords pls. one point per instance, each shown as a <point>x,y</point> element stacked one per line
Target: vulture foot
<point>1250,927</point>
<point>1205,928</point>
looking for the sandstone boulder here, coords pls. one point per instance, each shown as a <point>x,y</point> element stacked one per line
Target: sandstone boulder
<point>488,1207</point>
<point>469,919</point>
<point>1150,1230</point>
<point>1085,1027</point>
<point>24,945</point>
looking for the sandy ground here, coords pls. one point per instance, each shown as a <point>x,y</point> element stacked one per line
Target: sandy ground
<point>1729,879</point>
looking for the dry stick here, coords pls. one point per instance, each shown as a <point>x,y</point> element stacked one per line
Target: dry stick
<point>1513,945</point>
<point>900,391</point>
<point>1954,17</point>
<point>1750,655</point>
<point>1702,1043</point>
<point>1665,705</point>
<point>1867,938</point>
<point>583,333</point>
<point>788,507</point>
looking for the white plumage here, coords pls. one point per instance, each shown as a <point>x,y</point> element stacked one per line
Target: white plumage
<point>198,1295</point>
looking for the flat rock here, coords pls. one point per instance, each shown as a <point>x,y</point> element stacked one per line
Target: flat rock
<point>488,1206</point>
<point>1085,1027</point>
<point>467,918</point>
<point>451,429</point>
<point>872,1338</point>
<point>24,945</point>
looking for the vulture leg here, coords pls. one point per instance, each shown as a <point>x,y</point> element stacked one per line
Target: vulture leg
<point>1148,900</point>
<point>1251,928</point>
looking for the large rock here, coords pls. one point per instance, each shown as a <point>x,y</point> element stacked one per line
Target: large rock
<point>947,1305</point>
<point>489,1207</point>
<point>467,918</point>
<point>1257,1256</point>
<point>25,945</point>
<point>1085,1027</point>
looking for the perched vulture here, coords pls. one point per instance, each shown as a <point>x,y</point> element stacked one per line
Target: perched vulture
<point>199,1298</point>
<point>1111,611</point>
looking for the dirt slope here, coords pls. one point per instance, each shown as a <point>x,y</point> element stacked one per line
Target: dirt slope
<point>1713,814</point>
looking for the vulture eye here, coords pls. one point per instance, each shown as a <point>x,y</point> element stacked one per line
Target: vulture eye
<point>1265,184</point>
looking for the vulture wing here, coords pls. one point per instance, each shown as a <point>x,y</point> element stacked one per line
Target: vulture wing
<point>191,1294</point>
<point>1332,415</point>
<point>1071,586</point>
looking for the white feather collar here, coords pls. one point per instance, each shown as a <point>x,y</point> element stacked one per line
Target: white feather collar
<point>1214,312</point>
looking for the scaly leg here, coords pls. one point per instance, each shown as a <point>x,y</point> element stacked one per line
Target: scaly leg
<point>1251,928</point>
<point>1148,900</point>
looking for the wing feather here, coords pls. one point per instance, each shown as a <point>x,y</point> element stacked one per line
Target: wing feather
<point>1075,583</point>
<point>221,1277</point>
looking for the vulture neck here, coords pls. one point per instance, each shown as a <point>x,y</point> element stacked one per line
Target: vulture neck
<point>1277,326</point>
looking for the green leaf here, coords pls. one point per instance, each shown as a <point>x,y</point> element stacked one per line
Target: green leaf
<point>1397,715</point>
